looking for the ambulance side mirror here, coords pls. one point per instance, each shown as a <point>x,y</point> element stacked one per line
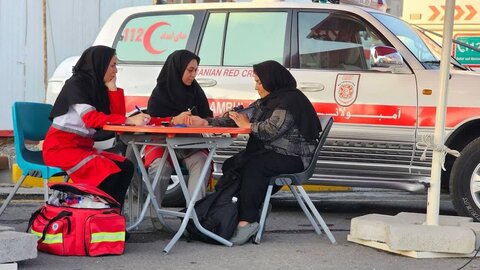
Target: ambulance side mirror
<point>385,56</point>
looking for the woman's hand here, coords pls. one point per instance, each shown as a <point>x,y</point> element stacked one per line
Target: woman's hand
<point>241,120</point>
<point>182,118</point>
<point>197,121</point>
<point>112,84</point>
<point>140,119</point>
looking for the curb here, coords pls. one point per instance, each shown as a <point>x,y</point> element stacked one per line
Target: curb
<point>22,193</point>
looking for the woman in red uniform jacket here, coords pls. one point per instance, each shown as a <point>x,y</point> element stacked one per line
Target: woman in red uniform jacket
<point>89,100</point>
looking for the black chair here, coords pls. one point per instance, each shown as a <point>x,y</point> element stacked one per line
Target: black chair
<point>297,180</point>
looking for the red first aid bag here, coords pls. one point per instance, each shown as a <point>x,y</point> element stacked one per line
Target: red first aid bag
<point>72,231</point>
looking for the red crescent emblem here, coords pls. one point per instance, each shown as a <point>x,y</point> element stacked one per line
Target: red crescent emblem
<point>148,35</point>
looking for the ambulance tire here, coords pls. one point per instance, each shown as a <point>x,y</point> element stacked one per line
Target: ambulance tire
<point>174,196</point>
<point>465,174</point>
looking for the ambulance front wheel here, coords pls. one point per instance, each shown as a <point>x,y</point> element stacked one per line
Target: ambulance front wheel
<point>465,181</point>
<point>174,195</point>
<point>173,198</point>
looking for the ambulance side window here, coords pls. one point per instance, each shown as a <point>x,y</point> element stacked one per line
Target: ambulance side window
<point>250,38</point>
<point>334,41</point>
<point>212,41</point>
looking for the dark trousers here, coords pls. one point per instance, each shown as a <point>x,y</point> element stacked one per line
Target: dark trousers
<point>116,185</point>
<point>255,178</point>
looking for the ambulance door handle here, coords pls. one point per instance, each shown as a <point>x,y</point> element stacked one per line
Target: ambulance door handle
<point>206,82</point>
<point>311,87</point>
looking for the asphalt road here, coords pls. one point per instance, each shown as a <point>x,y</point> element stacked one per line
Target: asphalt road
<point>288,243</point>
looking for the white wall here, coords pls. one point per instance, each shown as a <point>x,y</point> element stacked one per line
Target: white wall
<point>395,7</point>
<point>20,55</point>
<point>72,26</point>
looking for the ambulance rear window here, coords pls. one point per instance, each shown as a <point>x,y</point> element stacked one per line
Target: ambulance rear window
<point>247,37</point>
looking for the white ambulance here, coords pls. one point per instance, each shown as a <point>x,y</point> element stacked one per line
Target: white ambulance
<point>371,71</point>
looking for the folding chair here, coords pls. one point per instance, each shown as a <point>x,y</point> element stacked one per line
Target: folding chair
<point>30,122</point>
<point>296,180</point>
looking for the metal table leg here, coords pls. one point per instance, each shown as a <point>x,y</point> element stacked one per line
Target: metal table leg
<point>190,213</point>
<point>150,188</point>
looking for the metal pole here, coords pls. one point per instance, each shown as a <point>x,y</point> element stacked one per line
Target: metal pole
<point>433,204</point>
<point>45,49</point>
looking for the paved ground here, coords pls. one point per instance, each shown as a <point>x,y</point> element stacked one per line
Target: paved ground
<point>289,241</point>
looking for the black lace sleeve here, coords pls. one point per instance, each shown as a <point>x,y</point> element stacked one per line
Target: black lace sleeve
<point>221,122</point>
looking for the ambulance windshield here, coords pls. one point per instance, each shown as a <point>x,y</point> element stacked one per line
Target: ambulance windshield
<point>424,51</point>
<point>422,46</point>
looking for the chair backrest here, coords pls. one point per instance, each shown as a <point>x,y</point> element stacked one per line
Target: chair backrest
<point>298,178</point>
<point>30,122</point>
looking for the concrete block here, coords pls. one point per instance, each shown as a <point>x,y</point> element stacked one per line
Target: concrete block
<point>475,227</point>
<point>419,218</point>
<point>413,237</point>
<point>8,266</point>
<point>17,246</point>
<point>370,227</point>
<point>5,228</point>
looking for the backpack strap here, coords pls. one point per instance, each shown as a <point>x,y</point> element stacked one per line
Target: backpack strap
<point>33,217</point>
<point>111,211</point>
<point>59,216</point>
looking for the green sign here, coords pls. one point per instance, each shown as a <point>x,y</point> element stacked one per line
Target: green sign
<point>465,55</point>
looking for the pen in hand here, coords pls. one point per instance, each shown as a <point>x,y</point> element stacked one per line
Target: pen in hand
<point>146,117</point>
<point>138,109</point>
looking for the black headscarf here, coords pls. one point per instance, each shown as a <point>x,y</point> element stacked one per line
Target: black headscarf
<point>86,86</point>
<point>281,85</point>
<point>171,96</point>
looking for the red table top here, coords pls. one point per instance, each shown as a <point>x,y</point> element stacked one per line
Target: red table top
<point>177,130</point>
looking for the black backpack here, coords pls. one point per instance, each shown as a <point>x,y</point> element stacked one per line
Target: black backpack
<point>218,211</point>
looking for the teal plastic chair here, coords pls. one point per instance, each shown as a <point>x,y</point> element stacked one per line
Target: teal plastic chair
<point>30,122</point>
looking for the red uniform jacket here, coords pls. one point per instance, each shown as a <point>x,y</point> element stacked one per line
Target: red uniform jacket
<point>69,141</point>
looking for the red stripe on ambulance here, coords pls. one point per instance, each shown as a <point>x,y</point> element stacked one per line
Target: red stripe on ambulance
<point>364,114</point>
